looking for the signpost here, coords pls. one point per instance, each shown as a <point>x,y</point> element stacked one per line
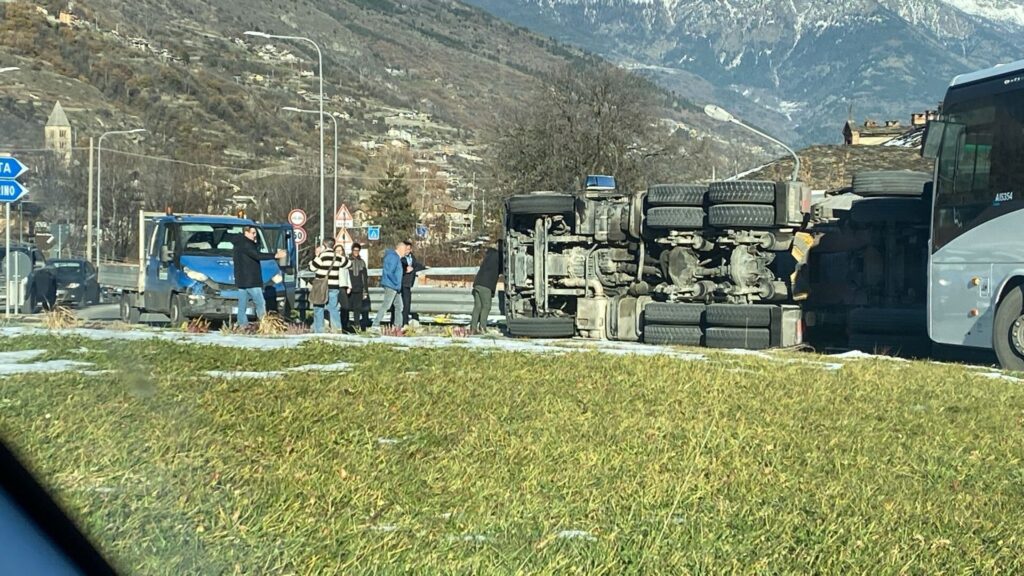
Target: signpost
<point>373,233</point>
<point>10,191</point>
<point>297,217</point>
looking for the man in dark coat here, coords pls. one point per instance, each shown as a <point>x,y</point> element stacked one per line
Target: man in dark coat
<point>249,273</point>
<point>359,302</point>
<point>42,290</point>
<point>484,286</point>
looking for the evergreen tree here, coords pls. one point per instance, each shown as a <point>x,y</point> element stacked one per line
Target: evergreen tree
<point>392,207</point>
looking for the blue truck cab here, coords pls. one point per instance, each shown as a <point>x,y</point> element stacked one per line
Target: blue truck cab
<point>187,271</point>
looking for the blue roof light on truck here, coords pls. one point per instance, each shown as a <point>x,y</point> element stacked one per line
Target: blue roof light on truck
<point>598,182</point>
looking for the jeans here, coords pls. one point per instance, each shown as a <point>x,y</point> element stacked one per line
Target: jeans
<point>244,295</point>
<point>332,309</point>
<point>391,297</point>
<point>481,308</point>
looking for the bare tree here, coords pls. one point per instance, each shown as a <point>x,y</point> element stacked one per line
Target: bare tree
<point>586,119</point>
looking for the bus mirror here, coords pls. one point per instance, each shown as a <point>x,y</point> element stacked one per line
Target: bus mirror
<point>933,133</point>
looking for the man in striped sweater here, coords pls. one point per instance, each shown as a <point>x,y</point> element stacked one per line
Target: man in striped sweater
<point>331,263</point>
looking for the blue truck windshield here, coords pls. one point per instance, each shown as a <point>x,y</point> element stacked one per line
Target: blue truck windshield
<point>212,239</point>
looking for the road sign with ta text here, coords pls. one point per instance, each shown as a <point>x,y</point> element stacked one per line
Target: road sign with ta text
<point>11,168</point>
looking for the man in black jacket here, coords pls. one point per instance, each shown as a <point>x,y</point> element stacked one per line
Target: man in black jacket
<point>484,286</point>
<point>359,301</point>
<point>42,290</point>
<point>249,273</point>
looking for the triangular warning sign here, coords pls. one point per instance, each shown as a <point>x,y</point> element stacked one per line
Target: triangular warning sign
<point>343,237</point>
<point>343,218</point>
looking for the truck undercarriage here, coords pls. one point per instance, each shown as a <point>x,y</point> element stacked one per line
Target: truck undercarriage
<point>736,264</point>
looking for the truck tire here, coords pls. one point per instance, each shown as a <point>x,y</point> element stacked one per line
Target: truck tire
<point>541,327</point>
<point>742,216</point>
<point>1008,330</point>
<point>541,204</point>
<point>674,314</point>
<point>740,315</point>
<point>890,183</point>
<point>887,321</point>
<point>678,335</point>
<point>743,338</point>
<point>676,218</point>
<point>129,314</point>
<point>742,192</point>
<point>892,344</point>
<point>676,195</point>
<point>873,211</point>
<point>177,310</point>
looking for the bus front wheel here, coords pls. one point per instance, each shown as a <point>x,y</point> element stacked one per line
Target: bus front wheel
<point>1008,331</point>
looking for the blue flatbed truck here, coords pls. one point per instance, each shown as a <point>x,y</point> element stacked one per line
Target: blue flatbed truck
<point>186,270</point>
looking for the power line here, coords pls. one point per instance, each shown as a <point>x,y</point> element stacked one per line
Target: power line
<point>257,171</point>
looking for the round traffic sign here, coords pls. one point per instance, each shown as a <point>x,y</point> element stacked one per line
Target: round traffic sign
<point>300,234</point>
<point>297,217</point>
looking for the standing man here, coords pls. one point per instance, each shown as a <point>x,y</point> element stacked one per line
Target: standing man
<point>249,273</point>
<point>359,300</point>
<point>391,281</point>
<point>411,267</point>
<point>484,286</point>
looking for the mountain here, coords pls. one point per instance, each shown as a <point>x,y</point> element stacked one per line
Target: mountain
<point>796,67</point>
<point>435,74</point>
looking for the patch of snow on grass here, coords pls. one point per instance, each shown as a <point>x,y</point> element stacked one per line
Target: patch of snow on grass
<point>576,535</point>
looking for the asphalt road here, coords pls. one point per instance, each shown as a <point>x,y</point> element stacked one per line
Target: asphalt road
<point>111,312</point>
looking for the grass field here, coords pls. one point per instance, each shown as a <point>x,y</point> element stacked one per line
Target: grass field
<point>450,461</point>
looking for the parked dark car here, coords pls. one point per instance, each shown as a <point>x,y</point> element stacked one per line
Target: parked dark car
<point>77,282</point>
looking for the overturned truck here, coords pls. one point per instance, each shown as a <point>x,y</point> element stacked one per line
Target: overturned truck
<point>732,264</point>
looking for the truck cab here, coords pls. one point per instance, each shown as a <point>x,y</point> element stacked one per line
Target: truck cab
<point>187,269</point>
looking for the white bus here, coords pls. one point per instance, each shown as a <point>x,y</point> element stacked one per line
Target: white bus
<point>976,256</point>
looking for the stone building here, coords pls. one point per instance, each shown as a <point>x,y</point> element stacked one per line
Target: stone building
<point>58,133</point>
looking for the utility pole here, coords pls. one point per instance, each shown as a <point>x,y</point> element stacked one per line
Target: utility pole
<point>88,212</point>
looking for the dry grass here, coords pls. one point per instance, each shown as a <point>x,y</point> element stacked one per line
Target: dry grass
<point>60,318</point>
<point>272,325</point>
<point>197,326</point>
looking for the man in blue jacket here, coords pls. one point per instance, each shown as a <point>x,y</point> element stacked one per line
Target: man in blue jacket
<point>391,281</point>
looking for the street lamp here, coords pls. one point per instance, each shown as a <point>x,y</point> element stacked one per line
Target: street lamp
<point>99,182</point>
<point>320,73</point>
<point>335,120</point>
<point>721,115</point>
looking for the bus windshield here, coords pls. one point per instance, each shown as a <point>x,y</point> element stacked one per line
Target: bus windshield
<point>981,161</point>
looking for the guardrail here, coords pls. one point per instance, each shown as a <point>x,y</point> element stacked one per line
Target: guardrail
<point>467,271</point>
<point>441,301</point>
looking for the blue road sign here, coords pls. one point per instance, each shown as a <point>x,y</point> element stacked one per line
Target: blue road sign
<point>11,190</point>
<point>11,168</point>
<point>373,233</point>
<point>421,231</point>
